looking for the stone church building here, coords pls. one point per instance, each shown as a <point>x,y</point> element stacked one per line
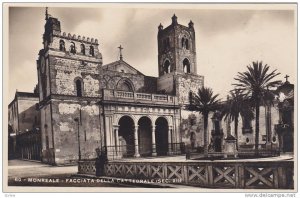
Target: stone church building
<point>112,105</point>
<point>84,104</point>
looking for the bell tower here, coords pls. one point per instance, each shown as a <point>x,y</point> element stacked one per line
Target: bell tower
<point>176,48</point>
<point>177,65</point>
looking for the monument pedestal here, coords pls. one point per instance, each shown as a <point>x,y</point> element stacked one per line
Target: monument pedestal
<point>230,150</point>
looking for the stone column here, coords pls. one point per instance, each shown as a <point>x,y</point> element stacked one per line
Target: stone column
<point>136,142</point>
<point>170,149</point>
<point>116,131</point>
<point>153,142</point>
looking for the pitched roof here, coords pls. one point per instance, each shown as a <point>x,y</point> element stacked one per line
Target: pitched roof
<point>112,66</point>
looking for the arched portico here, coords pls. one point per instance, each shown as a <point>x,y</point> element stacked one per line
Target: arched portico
<point>126,136</point>
<point>145,136</point>
<point>162,136</point>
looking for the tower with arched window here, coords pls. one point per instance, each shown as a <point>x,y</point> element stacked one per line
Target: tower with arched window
<point>68,75</point>
<point>177,66</point>
<point>176,47</point>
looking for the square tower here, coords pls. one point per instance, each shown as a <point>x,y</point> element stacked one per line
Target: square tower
<point>68,78</point>
<point>177,65</point>
<point>176,48</point>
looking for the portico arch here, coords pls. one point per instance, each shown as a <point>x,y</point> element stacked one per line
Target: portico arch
<point>161,135</point>
<point>126,136</point>
<point>145,136</point>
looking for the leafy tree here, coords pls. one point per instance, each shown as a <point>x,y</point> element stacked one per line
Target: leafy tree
<point>255,83</point>
<point>204,102</point>
<point>237,105</point>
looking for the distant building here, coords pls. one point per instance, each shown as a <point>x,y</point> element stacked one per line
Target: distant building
<point>285,126</point>
<point>24,126</point>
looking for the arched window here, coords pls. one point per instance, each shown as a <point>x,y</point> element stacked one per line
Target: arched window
<point>92,50</point>
<point>72,48</point>
<point>62,45</point>
<point>79,87</point>
<point>187,44</point>
<point>167,67</point>
<point>186,66</point>
<point>182,43</point>
<point>125,85</point>
<point>82,48</point>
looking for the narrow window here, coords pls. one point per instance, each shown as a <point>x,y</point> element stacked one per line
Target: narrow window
<point>72,48</point>
<point>167,67</point>
<point>92,50</point>
<point>62,46</point>
<point>186,66</point>
<point>187,43</point>
<point>182,43</point>
<point>78,88</point>
<point>82,49</point>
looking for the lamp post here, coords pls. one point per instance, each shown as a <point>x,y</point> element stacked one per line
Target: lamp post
<point>78,136</point>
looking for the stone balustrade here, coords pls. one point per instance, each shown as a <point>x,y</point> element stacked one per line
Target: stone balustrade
<point>136,97</point>
<point>210,174</point>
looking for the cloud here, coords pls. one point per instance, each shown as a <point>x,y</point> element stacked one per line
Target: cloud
<point>226,40</point>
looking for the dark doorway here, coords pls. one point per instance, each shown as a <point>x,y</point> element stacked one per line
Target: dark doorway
<point>126,136</point>
<point>145,136</point>
<point>161,136</point>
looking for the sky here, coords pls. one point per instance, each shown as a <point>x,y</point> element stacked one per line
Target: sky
<point>227,40</point>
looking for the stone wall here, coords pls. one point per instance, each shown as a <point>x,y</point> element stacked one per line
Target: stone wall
<point>13,116</point>
<point>187,83</point>
<point>23,115</point>
<point>64,73</point>
<point>47,135</point>
<point>66,130</point>
<point>165,84</point>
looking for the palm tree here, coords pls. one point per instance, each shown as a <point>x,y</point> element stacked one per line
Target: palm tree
<point>203,102</point>
<point>255,82</point>
<point>237,105</point>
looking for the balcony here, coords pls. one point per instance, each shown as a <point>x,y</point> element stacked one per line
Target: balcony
<point>124,96</point>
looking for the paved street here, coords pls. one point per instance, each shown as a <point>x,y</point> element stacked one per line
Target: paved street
<point>31,173</point>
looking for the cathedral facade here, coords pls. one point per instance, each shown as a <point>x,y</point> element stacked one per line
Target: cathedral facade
<point>85,105</point>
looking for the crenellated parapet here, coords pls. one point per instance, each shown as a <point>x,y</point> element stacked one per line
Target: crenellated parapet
<point>77,38</point>
<point>75,45</point>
